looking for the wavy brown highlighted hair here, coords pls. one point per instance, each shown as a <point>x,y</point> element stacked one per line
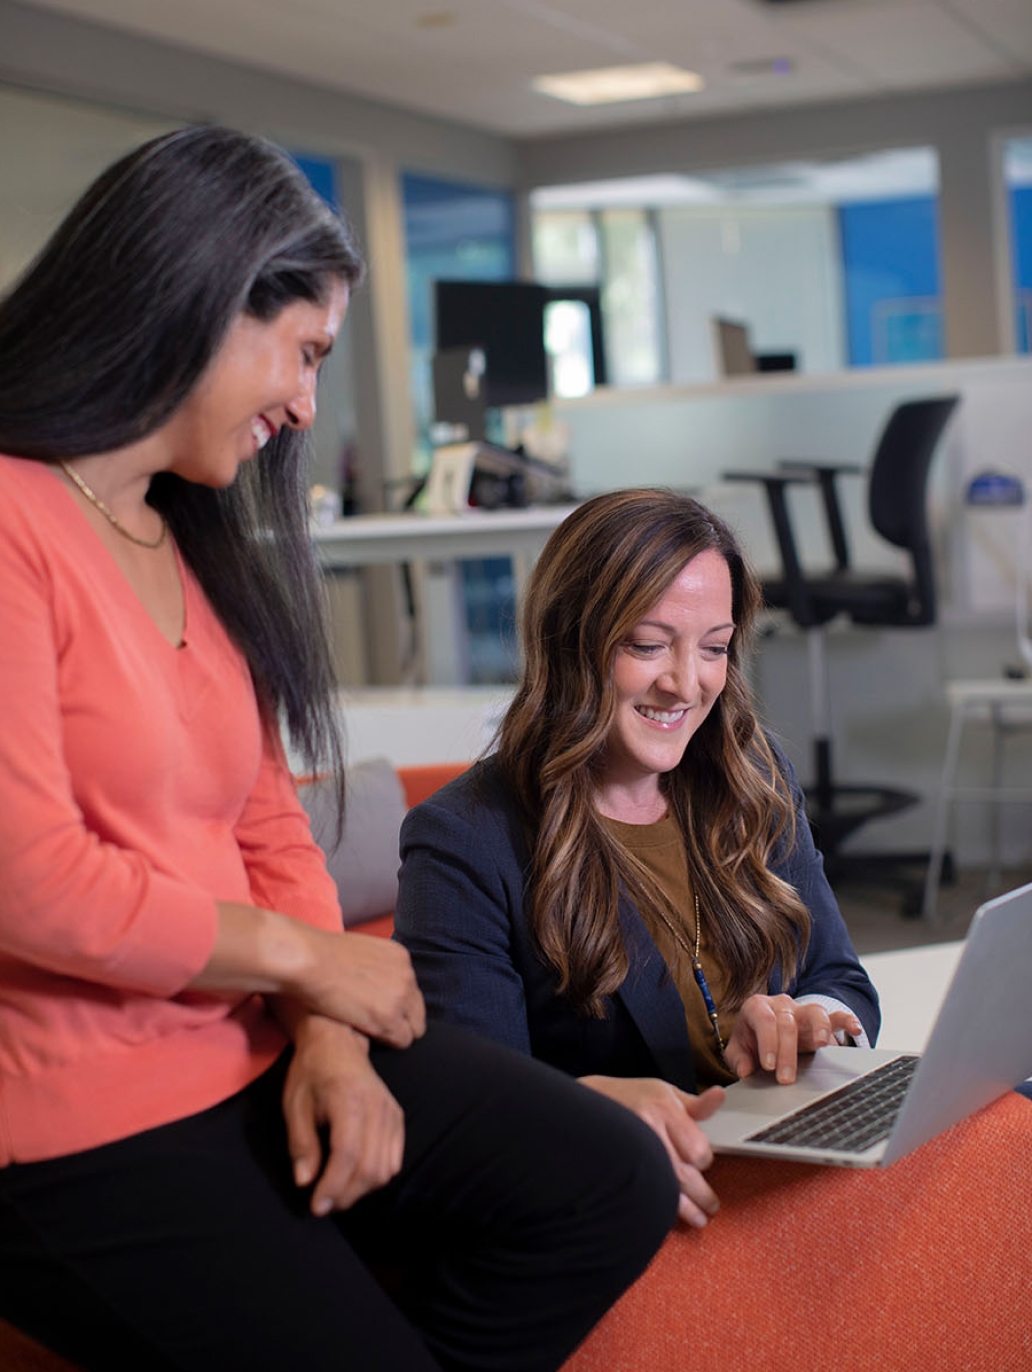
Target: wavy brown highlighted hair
<point>600,573</point>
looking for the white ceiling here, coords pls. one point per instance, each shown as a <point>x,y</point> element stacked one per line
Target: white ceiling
<point>473,60</point>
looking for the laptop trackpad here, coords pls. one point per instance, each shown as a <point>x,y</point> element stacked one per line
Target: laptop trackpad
<point>759,1100</point>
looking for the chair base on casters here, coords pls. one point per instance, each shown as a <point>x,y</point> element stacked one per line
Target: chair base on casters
<point>837,812</point>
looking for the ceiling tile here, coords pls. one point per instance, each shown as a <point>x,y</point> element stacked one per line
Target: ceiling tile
<point>900,44</point>
<point>1007,24</point>
<point>472,60</point>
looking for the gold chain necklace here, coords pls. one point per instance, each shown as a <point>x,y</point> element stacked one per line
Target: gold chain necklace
<point>697,972</point>
<point>109,515</point>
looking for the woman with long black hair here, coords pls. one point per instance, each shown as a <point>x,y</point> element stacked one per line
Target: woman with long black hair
<point>222,1119</point>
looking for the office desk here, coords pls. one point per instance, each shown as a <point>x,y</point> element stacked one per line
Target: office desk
<point>376,539</point>
<point>436,543</point>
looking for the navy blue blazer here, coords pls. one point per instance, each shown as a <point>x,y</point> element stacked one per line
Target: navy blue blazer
<point>461,912</point>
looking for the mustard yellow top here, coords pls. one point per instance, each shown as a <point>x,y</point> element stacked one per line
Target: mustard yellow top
<point>660,848</point>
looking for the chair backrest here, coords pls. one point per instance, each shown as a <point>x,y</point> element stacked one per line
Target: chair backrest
<point>897,495</point>
<point>732,349</point>
<point>899,472</point>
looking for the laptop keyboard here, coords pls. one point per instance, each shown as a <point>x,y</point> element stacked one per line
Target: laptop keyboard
<point>851,1119</point>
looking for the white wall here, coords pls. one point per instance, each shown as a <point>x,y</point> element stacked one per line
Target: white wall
<point>775,269</point>
<point>410,726</point>
<point>886,685</point>
<point>689,436</point>
<point>50,149</point>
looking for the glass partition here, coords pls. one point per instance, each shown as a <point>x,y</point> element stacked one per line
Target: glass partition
<point>453,232</point>
<point>614,248</point>
<point>1017,172</point>
<point>460,233</point>
<point>825,264</point>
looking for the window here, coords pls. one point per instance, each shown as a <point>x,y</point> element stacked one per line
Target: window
<point>568,345</point>
<point>452,232</point>
<point>1017,173</point>
<point>631,297</point>
<point>615,249</point>
<point>460,233</point>
<point>891,273</point>
<point>828,264</point>
<point>566,251</point>
<point>566,248</point>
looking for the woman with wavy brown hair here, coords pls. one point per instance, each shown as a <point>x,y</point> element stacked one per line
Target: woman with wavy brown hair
<point>628,887</point>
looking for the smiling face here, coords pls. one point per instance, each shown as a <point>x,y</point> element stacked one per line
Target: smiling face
<point>668,673</point>
<point>261,380</point>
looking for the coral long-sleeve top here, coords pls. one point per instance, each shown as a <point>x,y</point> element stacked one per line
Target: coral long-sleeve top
<point>138,787</point>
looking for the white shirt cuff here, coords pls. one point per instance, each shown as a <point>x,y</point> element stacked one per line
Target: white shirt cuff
<point>829,1003</point>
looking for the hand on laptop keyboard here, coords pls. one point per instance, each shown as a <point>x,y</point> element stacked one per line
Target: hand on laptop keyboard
<point>771,1032</point>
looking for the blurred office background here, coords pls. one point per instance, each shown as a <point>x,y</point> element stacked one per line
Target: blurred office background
<point>851,181</point>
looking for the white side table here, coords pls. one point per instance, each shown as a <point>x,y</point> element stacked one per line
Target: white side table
<point>1008,707</point>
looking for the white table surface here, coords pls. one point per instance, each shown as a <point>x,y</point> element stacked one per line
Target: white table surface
<point>912,983</point>
<point>364,540</point>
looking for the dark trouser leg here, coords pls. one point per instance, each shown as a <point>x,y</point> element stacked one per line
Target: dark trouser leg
<point>525,1206</point>
<point>186,1248</point>
<point>527,1203</point>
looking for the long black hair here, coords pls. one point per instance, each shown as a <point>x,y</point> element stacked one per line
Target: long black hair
<point>111,327</point>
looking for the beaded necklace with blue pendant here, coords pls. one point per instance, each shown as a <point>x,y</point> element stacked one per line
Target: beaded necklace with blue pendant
<point>700,977</point>
<point>697,971</point>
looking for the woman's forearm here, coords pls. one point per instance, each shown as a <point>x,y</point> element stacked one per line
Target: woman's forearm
<point>258,950</point>
<point>355,979</point>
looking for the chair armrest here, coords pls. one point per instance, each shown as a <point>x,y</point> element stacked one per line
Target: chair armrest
<point>805,466</point>
<point>826,477</point>
<point>774,483</point>
<point>780,477</point>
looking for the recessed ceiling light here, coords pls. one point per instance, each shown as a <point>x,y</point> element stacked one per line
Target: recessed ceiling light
<point>606,85</point>
<point>763,66</point>
<point>435,19</point>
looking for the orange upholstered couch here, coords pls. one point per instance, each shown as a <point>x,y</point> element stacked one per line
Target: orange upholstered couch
<point>923,1267</point>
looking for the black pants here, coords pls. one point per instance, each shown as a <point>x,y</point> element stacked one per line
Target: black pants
<point>525,1206</point>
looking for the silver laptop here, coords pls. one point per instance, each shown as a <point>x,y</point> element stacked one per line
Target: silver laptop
<point>866,1107</point>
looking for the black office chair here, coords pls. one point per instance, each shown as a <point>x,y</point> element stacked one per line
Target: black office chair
<point>897,507</point>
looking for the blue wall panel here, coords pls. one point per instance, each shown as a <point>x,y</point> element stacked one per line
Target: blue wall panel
<point>890,254</point>
<point>454,232</point>
<point>322,173</point>
<point>1021,257</point>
